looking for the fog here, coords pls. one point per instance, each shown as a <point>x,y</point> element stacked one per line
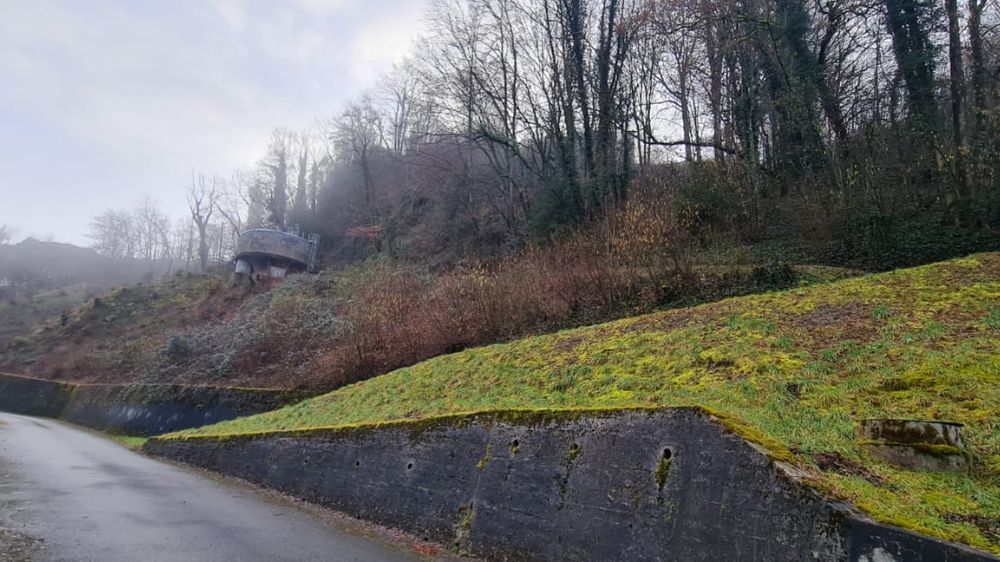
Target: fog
<point>109,103</point>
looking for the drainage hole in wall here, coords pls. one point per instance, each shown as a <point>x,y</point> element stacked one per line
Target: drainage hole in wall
<point>667,453</point>
<point>409,466</point>
<point>357,463</point>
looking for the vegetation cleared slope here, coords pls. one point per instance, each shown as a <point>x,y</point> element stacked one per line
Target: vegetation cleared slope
<point>184,330</point>
<point>791,370</point>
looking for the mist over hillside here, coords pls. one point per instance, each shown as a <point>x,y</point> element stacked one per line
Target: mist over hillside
<point>32,266</point>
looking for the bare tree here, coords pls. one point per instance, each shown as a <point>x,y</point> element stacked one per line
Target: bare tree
<point>233,203</point>
<point>401,96</point>
<point>202,196</point>
<point>112,234</point>
<point>151,231</point>
<point>279,154</point>
<point>299,214</point>
<point>359,135</point>
<point>140,233</point>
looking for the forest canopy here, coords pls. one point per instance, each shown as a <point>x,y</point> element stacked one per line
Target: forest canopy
<point>858,129</point>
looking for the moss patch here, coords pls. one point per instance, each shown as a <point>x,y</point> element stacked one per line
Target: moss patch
<point>486,457</point>
<point>134,443</point>
<point>791,371</point>
<point>662,472</point>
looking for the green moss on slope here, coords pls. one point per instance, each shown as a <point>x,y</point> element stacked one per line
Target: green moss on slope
<point>791,370</point>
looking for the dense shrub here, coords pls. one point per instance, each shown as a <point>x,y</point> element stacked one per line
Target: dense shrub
<point>876,240</point>
<point>640,258</point>
<point>178,349</point>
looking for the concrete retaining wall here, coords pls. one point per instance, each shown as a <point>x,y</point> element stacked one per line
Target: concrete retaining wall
<point>139,410</point>
<point>158,409</point>
<point>632,485</point>
<point>33,397</point>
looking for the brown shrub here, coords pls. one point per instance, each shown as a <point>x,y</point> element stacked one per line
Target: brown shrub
<point>321,332</point>
<point>633,260</point>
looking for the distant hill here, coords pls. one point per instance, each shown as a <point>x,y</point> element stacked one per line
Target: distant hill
<point>40,281</point>
<point>33,265</point>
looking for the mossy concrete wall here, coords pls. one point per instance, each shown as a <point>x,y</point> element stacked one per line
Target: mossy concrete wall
<point>33,397</point>
<point>157,409</point>
<point>139,410</point>
<point>627,485</point>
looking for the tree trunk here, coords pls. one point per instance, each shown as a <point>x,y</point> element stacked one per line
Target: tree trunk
<point>575,30</point>
<point>915,57</point>
<point>978,63</point>
<point>963,195</point>
<point>203,246</point>
<point>714,55</point>
<point>685,108</point>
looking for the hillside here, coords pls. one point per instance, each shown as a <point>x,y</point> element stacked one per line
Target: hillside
<point>40,281</point>
<point>790,370</point>
<point>33,265</point>
<point>139,333</point>
<point>320,332</point>
<point>22,315</point>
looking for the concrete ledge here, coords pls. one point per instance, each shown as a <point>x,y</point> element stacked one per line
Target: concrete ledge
<point>140,410</point>
<point>617,485</point>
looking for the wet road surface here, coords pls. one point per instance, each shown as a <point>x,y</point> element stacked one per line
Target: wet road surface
<point>68,495</point>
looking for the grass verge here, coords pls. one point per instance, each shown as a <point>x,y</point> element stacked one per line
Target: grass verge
<point>134,443</point>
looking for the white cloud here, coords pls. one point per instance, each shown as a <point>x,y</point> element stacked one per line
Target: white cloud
<point>130,97</point>
<point>233,12</point>
<point>320,7</point>
<point>385,41</point>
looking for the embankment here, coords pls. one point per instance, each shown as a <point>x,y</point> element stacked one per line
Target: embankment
<point>140,410</point>
<point>671,484</point>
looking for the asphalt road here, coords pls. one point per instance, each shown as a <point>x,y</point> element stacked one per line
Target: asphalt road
<point>66,494</point>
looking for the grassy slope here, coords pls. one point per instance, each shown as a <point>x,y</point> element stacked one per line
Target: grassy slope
<point>19,317</point>
<point>794,369</point>
<point>173,331</point>
<point>105,336</point>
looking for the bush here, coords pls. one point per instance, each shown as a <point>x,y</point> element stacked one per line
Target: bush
<point>876,240</point>
<point>21,342</point>
<point>178,349</point>
<point>639,258</point>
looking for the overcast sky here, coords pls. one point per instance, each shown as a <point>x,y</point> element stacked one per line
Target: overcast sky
<point>106,102</point>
